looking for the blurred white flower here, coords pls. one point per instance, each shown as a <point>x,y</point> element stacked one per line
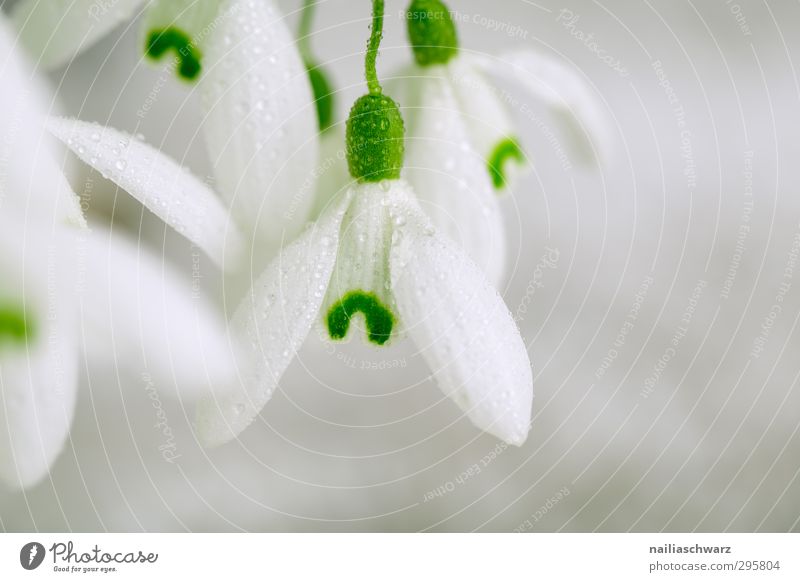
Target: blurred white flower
<point>57,30</point>
<point>262,137</point>
<point>462,146</point>
<point>253,129</point>
<point>66,288</point>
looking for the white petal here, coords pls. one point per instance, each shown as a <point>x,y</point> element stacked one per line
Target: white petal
<point>261,121</point>
<point>273,321</point>
<point>57,30</point>
<point>566,94</point>
<point>30,176</point>
<point>462,328</point>
<point>164,187</point>
<point>143,316</point>
<point>450,177</point>
<point>38,377</point>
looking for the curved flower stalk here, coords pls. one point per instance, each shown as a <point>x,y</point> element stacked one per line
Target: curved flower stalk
<point>65,288</point>
<point>462,145</point>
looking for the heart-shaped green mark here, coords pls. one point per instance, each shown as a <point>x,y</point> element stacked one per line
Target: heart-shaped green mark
<point>379,318</point>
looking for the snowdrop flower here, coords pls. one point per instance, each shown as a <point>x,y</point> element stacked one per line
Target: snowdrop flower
<point>372,252</point>
<point>65,288</point>
<point>376,254</point>
<point>462,145</point>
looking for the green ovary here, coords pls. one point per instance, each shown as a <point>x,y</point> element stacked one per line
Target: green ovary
<point>432,32</point>
<point>15,328</point>
<point>375,137</point>
<point>505,151</point>
<point>188,56</point>
<point>379,318</point>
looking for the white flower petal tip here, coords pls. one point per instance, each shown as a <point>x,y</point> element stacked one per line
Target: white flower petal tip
<point>37,403</point>
<point>54,31</point>
<point>463,329</point>
<point>164,187</point>
<point>568,96</point>
<point>274,320</point>
<point>261,121</point>
<point>38,352</point>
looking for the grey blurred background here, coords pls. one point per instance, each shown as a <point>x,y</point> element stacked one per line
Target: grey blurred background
<point>689,225</point>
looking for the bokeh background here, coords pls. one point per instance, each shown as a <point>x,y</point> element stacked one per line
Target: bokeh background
<point>685,234</point>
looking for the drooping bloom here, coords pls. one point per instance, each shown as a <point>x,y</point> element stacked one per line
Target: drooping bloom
<point>66,288</point>
<point>376,255</point>
<point>251,131</point>
<point>373,254</point>
<point>463,149</point>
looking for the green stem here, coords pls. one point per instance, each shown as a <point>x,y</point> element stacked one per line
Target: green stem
<point>304,30</point>
<point>372,47</point>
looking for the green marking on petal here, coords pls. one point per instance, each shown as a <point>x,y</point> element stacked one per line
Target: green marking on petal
<point>160,41</point>
<point>380,320</point>
<point>505,151</point>
<point>323,95</point>
<point>15,327</point>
